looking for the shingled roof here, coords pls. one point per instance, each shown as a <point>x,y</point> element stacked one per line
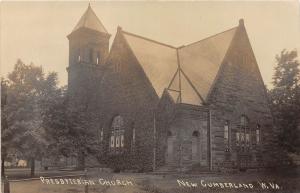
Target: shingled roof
<point>201,60</point>
<point>187,72</point>
<point>90,20</point>
<point>158,60</point>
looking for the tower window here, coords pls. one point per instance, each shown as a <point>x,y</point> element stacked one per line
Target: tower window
<point>98,58</point>
<point>79,58</point>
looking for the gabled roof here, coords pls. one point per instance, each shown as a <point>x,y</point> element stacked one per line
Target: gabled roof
<point>159,61</point>
<point>201,60</point>
<point>91,21</point>
<point>182,90</point>
<point>198,64</point>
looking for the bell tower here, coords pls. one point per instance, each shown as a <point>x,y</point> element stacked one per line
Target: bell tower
<point>88,51</point>
<point>89,40</point>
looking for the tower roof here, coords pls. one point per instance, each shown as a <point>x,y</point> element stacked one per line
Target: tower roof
<point>91,21</point>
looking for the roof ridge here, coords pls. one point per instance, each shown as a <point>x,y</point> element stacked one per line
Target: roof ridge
<point>221,65</point>
<point>208,37</point>
<point>98,19</point>
<point>148,39</point>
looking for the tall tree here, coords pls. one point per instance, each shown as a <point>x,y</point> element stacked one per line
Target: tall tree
<point>28,90</point>
<point>285,99</point>
<point>69,129</point>
<point>4,128</point>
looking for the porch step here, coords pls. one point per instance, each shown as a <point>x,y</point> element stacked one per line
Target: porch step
<point>187,168</point>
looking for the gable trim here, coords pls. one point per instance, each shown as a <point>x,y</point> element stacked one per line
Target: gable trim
<point>136,59</point>
<point>147,39</point>
<point>181,47</point>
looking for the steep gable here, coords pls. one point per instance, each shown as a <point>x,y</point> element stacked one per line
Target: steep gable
<point>199,63</point>
<point>159,61</point>
<point>201,60</point>
<point>239,83</point>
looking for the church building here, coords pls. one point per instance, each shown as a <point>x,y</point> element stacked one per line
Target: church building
<point>159,107</point>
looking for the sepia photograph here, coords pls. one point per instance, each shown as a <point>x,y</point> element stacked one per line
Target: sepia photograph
<point>150,96</point>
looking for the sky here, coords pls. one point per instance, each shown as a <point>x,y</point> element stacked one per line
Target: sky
<point>36,31</point>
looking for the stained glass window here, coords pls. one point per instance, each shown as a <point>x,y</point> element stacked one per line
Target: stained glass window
<point>117,133</point>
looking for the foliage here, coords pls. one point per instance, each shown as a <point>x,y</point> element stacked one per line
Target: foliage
<point>37,119</point>
<point>285,99</point>
<point>27,90</point>
<point>68,128</point>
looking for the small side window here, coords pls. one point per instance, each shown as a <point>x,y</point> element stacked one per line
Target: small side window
<point>237,138</point>
<point>257,134</point>
<point>101,135</point>
<point>226,136</point>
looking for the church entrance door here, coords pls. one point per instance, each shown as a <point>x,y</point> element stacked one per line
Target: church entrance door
<point>186,151</point>
<point>195,149</point>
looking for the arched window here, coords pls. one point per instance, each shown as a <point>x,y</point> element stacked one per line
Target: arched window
<point>117,133</point>
<point>169,133</point>
<point>243,135</point>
